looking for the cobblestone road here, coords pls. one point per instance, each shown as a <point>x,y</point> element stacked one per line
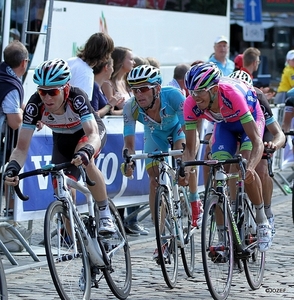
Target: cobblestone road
<point>31,280</point>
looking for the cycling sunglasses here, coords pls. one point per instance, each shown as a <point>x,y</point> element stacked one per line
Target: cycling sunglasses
<point>50,92</point>
<point>142,89</point>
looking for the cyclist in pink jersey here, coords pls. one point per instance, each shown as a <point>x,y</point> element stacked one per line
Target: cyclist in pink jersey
<point>234,108</point>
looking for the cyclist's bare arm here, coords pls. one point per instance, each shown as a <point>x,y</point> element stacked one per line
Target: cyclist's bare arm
<point>288,116</point>
<point>278,140</point>
<point>19,154</point>
<point>251,131</point>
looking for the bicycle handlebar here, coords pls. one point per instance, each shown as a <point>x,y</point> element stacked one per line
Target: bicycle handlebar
<point>212,163</point>
<point>45,171</point>
<point>291,132</point>
<point>267,154</point>
<point>154,154</point>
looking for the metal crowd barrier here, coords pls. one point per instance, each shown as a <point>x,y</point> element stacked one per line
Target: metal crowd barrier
<point>7,143</point>
<point>278,159</point>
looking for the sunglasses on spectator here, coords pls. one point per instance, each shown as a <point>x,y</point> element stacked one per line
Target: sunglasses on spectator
<point>50,92</point>
<point>142,89</point>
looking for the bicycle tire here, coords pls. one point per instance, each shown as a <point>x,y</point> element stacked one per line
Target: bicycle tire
<point>254,265</point>
<point>218,269</point>
<point>3,283</point>
<point>166,237</point>
<point>188,250</point>
<point>292,202</point>
<point>118,274</point>
<point>70,273</point>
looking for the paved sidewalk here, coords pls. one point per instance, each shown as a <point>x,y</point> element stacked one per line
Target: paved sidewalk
<point>31,280</point>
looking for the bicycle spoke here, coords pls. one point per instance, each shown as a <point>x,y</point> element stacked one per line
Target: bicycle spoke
<point>166,238</point>
<point>217,256</point>
<point>70,270</point>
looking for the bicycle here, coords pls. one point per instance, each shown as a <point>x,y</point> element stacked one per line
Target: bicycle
<point>172,219</point>
<point>75,252</point>
<point>238,230</point>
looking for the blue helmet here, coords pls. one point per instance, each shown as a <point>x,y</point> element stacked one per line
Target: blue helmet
<point>202,75</point>
<point>144,73</point>
<point>52,72</point>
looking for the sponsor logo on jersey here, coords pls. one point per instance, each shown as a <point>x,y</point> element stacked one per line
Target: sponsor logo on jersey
<point>32,110</point>
<point>79,102</point>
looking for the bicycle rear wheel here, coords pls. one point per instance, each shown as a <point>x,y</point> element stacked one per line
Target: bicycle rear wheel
<point>166,237</point>
<point>292,201</point>
<point>3,283</point>
<point>188,250</point>
<point>218,259</point>
<point>70,270</point>
<point>119,273</point>
<point>254,265</point>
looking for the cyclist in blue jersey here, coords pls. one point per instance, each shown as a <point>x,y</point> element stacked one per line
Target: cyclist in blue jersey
<point>78,133</point>
<point>160,109</point>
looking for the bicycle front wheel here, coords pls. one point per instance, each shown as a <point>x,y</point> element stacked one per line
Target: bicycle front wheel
<point>3,283</point>
<point>217,250</point>
<point>70,270</point>
<point>118,273</point>
<point>188,249</point>
<point>253,265</point>
<point>166,237</point>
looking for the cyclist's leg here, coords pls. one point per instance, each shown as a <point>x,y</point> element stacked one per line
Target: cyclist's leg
<point>223,138</point>
<point>267,184</point>
<point>254,192</point>
<point>194,199</point>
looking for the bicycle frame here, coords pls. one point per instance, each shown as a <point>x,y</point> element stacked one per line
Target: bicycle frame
<point>168,179</point>
<point>63,194</point>
<point>224,203</point>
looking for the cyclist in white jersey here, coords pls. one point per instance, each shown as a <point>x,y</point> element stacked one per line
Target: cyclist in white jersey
<point>78,133</point>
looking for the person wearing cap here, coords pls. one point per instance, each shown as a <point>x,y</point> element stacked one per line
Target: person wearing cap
<point>287,80</point>
<point>238,62</point>
<point>220,56</point>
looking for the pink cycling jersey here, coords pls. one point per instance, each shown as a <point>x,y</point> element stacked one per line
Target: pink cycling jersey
<point>235,100</point>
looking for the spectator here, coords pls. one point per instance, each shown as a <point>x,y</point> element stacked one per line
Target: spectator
<point>238,62</point>
<point>287,80</point>
<point>178,79</point>
<point>138,60</point>
<point>12,94</point>
<point>220,56</point>
<point>100,103</point>
<point>251,60</point>
<point>152,61</point>
<point>14,35</point>
<point>97,49</point>
<point>117,87</point>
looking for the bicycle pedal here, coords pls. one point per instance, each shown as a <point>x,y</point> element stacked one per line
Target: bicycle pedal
<point>95,284</point>
<point>244,254</point>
